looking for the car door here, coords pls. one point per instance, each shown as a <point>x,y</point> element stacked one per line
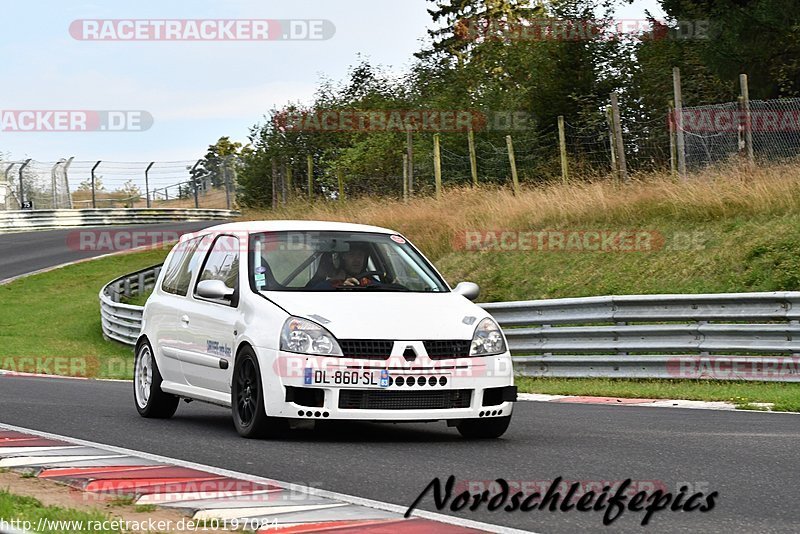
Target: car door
<point>165,310</point>
<point>210,326</point>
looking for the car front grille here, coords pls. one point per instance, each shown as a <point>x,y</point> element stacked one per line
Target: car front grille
<point>366,349</point>
<point>370,399</point>
<point>447,349</point>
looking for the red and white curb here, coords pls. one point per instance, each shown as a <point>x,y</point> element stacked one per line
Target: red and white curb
<point>208,493</point>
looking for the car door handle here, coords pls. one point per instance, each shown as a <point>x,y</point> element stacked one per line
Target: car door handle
<point>185,320</point>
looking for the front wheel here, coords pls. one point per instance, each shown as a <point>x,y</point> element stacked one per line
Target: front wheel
<point>484,428</point>
<point>151,402</point>
<point>247,396</point>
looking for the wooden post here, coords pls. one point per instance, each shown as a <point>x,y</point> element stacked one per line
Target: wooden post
<point>283,184</point>
<point>680,140</point>
<point>611,144</point>
<point>310,165</point>
<point>289,184</point>
<point>340,180</point>
<point>562,143</point>
<point>618,142</point>
<point>437,165</point>
<point>405,177</point>
<point>473,156</point>
<point>748,121</point>
<point>274,184</point>
<point>513,161</point>
<point>673,162</point>
<point>410,149</point>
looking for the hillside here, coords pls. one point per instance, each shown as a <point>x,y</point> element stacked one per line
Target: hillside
<point>725,230</point>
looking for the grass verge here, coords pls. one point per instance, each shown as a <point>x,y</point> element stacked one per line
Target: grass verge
<point>726,230</point>
<point>51,519</point>
<point>50,322</point>
<point>745,395</point>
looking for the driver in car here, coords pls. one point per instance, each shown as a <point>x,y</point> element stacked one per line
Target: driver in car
<point>351,264</point>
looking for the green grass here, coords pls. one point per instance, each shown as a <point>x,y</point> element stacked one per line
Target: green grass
<point>721,233</point>
<point>726,255</point>
<point>785,397</point>
<point>50,322</point>
<point>30,509</point>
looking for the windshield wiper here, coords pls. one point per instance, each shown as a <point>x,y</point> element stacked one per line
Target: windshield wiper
<point>371,288</point>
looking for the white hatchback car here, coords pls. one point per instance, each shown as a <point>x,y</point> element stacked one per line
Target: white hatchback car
<point>319,321</point>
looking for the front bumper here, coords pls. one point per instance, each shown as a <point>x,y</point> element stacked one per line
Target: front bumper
<point>423,390</point>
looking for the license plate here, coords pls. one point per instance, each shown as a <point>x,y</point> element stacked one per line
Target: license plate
<point>361,378</point>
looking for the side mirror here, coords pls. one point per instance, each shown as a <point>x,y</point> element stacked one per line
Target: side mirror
<point>467,290</point>
<point>214,289</point>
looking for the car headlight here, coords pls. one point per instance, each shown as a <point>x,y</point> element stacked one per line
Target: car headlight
<point>306,337</point>
<point>488,339</point>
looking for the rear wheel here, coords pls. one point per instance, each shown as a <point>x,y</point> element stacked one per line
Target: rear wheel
<point>151,402</point>
<point>484,428</point>
<point>247,396</point>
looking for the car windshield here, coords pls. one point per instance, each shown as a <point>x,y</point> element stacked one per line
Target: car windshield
<point>339,261</point>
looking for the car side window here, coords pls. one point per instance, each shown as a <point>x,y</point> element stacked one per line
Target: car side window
<point>181,268</point>
<point>222,262</point>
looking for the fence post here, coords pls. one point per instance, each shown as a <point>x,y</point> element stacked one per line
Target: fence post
<point>748,124</point>
<point>611,143</point>
<point>410,149</point>
<point>8,171</point>
<point>94,196</point>
<point>673,164</point>
<point>147,182</point>
<point>680,140</point>
<point>225,179</point>
<point>618,141</point>
<point>54,181</point>
<point>437,165</point>
<point>340,181</point>
<point>310,170</point>
<point>21,184</point>
<point>289,179</point>
<point>274,184</point>
<point>195,185</point>
<point>405,177</point>
<point>66,181</point>
<point>473,156</point>
<point>513,161</point>
<point>562,143</point>
<point>283,183</point>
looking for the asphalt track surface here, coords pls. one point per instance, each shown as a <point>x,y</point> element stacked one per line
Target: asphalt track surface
<point>25,252</point>
<point>749,458</point>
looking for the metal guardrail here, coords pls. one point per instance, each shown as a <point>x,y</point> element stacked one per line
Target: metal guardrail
<point>123,322</point>
<point>737,336</point>
<point>20,221</point>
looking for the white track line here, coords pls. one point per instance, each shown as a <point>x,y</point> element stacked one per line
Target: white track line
<point>352,499</point>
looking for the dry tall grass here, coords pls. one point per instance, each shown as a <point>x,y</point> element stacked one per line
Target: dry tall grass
<point>713,194</point>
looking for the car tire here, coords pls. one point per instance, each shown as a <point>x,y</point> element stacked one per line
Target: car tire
<point>247,400</point>
<point>484,428</point>
<point>151,402</point>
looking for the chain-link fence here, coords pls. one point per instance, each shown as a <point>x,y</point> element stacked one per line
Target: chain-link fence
<point>718,133</point>
<point>66,184</point>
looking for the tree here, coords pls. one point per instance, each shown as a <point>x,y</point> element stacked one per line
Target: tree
<point>757,37</point>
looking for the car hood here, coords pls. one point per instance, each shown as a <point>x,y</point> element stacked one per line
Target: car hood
<point>393,316</point>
